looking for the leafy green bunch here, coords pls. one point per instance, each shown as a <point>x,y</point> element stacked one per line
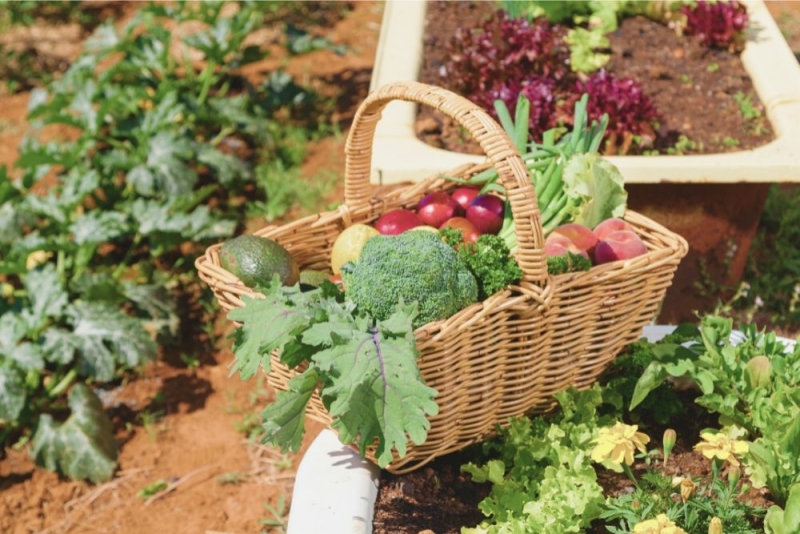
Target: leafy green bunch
<point>98,229</point>
<point>366,370</point>
<point>540,470</point>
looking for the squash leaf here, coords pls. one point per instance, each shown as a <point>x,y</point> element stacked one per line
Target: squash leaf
<point>83,447</point>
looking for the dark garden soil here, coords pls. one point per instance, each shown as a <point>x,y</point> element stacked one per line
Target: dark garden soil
<point>693,88</point>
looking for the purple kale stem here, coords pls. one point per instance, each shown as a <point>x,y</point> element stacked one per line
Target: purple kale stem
<point>377,344</point>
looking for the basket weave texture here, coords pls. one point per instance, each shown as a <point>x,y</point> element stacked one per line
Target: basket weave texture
<point>507,355</point>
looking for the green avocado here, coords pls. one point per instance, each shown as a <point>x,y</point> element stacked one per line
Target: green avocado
<point>256,260</point>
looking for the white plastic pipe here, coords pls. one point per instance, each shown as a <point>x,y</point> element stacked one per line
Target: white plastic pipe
<point>335,490</point>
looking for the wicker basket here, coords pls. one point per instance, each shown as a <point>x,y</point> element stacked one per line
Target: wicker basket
<point>505,356</point>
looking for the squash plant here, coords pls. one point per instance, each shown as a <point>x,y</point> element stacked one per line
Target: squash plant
<point>98,229</point>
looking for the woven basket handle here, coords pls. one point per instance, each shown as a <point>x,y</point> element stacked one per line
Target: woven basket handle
<point>499,148</point>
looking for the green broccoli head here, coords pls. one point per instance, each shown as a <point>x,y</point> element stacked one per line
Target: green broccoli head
<point>415,266</point>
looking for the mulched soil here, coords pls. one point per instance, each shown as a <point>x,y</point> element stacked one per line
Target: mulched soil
<point>694,88</point>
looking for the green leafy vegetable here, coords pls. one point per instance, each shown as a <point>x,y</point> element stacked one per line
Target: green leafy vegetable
<point>595,189</point>
<point>409,267</point>
<point>568,263</point>
<point>541,473</point>
<point>365,370</point>
<point>489,260</point>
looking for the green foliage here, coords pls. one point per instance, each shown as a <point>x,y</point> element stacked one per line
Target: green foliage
<point>773,267</point>
<point>98,230</point>
<point>153,488</point>
<point>765,406</point>
<point>568,263</point>
<point>489,260</point>
<point>365,370</point>
<point>82,447</point>
<point>721,498</point>
<point>413,267</point>
<point>543,480</point>
<point>541,474</point>
<point>661,404</point>
<point>786,521</point>
<point>583,48</point>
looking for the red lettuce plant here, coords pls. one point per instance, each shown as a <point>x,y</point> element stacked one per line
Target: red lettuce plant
<point>504,49</point>
<point>717,24</point>
<point>505,57</point>
<point>631,113</point>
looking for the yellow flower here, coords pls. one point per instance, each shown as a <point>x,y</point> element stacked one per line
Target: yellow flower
<point>721,446</point>
<point>715,527</point>
<point>660,525</point>
<point>37,257</point>
<point>617,443</point>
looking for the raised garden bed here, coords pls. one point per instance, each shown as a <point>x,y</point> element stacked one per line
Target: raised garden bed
<point>694,195</point>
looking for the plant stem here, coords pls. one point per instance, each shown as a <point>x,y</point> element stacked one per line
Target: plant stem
<point>627,469</point>
<point>63,384</point>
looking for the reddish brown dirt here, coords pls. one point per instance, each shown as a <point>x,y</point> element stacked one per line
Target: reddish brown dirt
<point>186,426</point>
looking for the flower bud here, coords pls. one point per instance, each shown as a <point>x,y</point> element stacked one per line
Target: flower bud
<point>668,442</point>
<point>734,473</point>
<point>687,489</point>
<point>759,369</point>
<point>715,526</point>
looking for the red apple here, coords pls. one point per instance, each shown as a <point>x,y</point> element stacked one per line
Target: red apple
<point>468,230</point>
<point>619,245</point>
<point>435,208</point>
<point>610,225</point>
<point>397,221</point>
<point>464,196</point>
<point>579,234</point>
<point>486,213</point>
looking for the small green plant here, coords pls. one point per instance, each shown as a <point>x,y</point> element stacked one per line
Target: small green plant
<point>233,477</point>
<point>191,362</point>
<point>712,67</point>
<point>152,489</point>
<point>277,520</point>
<point>730,141</point>
<point>746,107</point>
<point>684,145</point>
<point>150,421</point>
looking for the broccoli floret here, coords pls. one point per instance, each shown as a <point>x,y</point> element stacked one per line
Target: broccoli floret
<point>415,266</point>
<point>568,263</point>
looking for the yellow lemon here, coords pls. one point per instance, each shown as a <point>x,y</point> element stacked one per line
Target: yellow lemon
<point>348,245</point>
